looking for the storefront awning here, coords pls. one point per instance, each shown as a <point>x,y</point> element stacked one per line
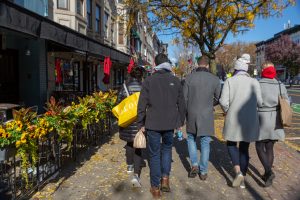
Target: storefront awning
<point>22,20</point>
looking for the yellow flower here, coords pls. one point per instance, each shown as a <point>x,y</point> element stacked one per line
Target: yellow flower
<point>18,143</point>
<point>23,141</point>
<point>24,134</point>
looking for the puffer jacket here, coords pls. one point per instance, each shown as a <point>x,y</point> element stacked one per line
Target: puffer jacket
<point>127,134</point>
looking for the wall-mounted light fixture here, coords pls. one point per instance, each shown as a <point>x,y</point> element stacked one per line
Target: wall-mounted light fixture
<point>27,51</point>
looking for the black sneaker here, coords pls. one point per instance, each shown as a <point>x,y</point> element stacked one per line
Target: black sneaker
<point>269,177</point>
<point>130,169</point>
<point>194,172</point>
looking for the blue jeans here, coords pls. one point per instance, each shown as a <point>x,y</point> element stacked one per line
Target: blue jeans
<point>205,149</point>
<point>160,156</point>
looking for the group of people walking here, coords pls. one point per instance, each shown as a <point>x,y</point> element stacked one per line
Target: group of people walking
<point>251,110</point>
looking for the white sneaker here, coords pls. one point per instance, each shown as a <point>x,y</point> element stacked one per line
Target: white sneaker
<point>238,180</point>
<point>243,186</point>
<point>135,181</point>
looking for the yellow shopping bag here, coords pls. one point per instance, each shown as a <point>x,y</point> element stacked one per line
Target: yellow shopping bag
<point>126,111</point>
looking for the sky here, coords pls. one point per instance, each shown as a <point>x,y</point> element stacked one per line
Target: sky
<point>263,30</point>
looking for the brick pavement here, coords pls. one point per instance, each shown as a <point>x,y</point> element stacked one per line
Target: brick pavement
<point>102,175</point>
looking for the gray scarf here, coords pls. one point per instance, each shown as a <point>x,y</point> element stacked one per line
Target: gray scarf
<point>165,65</point>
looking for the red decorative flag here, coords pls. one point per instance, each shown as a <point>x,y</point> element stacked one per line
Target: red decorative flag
<point>130,66</point>
<point>107,66</point>
<point>58,74</point>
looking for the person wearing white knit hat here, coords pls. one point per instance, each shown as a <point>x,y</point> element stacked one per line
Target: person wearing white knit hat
<point>242,63</point>
<point>241,95</point>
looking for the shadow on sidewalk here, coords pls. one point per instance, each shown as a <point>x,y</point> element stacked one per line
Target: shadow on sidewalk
<point>220,159</point>
<point>70,166</point>
<point>182,151</point>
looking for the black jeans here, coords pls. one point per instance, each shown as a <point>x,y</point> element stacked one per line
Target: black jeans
<point>265,153</point>
<point>239,155</point>
<point>134,157</point>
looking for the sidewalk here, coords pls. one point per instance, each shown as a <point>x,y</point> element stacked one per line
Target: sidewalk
<point>103,176</point>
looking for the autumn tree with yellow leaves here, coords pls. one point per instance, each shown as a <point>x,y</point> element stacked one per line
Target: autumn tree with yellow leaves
<point>204,23</point>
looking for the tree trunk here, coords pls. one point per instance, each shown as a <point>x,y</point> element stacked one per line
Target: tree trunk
<point>213,66</point>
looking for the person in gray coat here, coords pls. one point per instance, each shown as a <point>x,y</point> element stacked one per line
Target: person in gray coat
<point>271,128</point>
<point>200,89</point>
<point>241,96</point>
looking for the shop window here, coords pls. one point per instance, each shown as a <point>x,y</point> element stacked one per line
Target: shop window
<point>118,77</point>
<point>63,4</point>
<point>69,73</point>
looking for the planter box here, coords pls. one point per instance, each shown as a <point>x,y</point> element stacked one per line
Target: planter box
<point>7,152</point>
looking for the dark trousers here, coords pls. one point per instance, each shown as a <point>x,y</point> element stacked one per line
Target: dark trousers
<point>134,157</point>
<point>160,155</point>
<point>239,155</point>
<point>265,153</point>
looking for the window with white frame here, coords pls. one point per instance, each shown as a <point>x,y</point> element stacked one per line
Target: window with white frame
<point>79,7</point>
<point>89,13</point>
<point>106,17</point>
<point>121,33</point>
<point>98,19</point>
<point>112,30</point>
<point>63,4</point>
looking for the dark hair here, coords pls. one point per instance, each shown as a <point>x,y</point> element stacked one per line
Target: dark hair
<point>203,60</point>
<point>137,73</point>
<point>161,58</point>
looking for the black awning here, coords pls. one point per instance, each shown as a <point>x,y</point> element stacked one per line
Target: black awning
<point>20,19</point>
<point>14,19</point>
<point>53,33</point>
<point>76,42</point>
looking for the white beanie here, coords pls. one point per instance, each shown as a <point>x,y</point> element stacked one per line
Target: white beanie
<point>242,62</point>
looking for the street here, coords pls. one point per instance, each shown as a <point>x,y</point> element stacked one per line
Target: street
<point>293,133</point>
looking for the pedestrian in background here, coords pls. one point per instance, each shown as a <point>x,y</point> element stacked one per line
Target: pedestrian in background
<point>134,158</point>
<point>200,90</point>
<point>161,109</point>
<point>271,128</point>
<point>241,95</point>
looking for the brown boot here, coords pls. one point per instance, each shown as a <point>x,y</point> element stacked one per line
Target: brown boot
<point>165,184</point>
<point>155,191</point>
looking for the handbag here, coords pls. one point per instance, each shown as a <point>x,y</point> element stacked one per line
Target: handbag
<point>286,112</point>
<point>139,140</point>
<point>126,111</point>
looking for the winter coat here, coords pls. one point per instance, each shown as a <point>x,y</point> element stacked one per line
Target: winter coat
<point>269,115</point>
<point>161,104</point>
<point>200,89</point>
<point>127,134</point>
<point>240,98</point>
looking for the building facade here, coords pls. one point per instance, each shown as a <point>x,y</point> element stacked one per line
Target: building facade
<point>293,33</point>
<point>54,36</point>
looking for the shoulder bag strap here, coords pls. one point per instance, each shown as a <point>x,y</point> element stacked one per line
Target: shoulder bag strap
<point>126,90</point>
<point>279,89</point>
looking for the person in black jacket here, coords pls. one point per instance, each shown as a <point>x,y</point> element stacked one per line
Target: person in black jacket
<point>161,109</point>
<point>134,158</point>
